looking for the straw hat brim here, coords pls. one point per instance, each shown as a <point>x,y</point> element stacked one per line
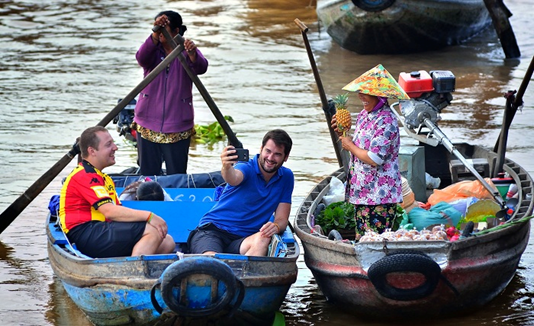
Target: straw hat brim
<point>377,82</point>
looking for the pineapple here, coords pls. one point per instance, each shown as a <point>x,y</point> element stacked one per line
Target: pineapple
<point>342,114</point>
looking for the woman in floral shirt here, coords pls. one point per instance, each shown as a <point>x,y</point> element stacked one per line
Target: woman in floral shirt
<point>374,182</point>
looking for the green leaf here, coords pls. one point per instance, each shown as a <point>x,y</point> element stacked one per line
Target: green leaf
<point>211,133</point>
<point>337,216</point>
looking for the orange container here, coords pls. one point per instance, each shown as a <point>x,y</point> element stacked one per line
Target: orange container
<point>416,83</point>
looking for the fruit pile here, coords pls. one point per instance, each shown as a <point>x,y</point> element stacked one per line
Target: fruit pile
<point>438,233</point>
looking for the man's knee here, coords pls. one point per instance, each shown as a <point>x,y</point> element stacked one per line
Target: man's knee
<point>168,244</point>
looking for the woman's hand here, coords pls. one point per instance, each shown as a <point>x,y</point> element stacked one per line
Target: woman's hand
<point>346,143</point>
<point>333,124</point>
<point>191,49</point>
<point>161,21</point>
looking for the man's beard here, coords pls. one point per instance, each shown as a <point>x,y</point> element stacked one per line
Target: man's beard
<point>263,163</point>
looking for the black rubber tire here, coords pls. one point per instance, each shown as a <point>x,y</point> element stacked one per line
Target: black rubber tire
<point>335,235</point>
<point>415,262</point>
<point>373,5</point>
<point>173,275</point>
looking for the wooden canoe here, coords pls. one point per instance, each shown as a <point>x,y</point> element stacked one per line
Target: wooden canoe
<point>178,287</point>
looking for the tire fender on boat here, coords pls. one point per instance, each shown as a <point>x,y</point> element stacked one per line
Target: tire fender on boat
<point>173,275</point>
<point>405,261</point>
<point>335,235</point>
<point>373,5</point>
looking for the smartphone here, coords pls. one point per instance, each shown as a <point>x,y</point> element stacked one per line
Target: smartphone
<point>242,154</point>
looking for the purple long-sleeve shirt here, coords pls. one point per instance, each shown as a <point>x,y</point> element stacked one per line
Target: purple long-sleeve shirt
<point>166,104</point>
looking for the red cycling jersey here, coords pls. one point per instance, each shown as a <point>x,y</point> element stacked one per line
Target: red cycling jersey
<point>83,192</point>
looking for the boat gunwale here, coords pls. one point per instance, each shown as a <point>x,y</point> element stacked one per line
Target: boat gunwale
<point>311,200</point>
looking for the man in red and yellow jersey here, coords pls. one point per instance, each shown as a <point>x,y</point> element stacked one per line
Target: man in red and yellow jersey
<point>90,211</point>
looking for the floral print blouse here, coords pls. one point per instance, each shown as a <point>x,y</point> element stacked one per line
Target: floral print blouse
<point>377,132</point>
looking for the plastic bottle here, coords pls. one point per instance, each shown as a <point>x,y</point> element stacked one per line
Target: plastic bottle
<point>512,191</point>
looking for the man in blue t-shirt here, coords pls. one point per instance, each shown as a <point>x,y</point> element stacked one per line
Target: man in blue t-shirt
<point>240,222</point>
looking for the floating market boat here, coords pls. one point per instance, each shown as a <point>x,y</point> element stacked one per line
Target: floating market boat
<point>401,26</point>
<point>411,279</point>
<point>176,288</point>
<point>389,277</point>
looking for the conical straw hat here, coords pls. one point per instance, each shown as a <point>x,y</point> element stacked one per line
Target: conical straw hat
<point>377,82</point>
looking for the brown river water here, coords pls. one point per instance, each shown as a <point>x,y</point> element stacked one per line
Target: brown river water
<point>65,63</point>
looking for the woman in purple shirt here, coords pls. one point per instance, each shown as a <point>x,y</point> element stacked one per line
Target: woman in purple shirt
<point>164,114</point>
<point>374,182</point>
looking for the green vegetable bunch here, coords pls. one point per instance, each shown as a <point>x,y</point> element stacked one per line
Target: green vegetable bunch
<point>340,216</point>
<point>212,133</point>
<point>337,216</point>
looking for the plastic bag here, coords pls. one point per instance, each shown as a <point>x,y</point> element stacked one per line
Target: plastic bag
<point>336,193</point>
<point>462,205</point>
<point>461,190</point>
<point>441,213</point>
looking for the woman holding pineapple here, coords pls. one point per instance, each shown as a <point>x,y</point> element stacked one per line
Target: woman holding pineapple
<point>374,181</point>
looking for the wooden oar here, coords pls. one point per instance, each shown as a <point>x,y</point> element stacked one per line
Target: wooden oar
<point>513,102</point>
<point>232,138</point>
<point>14,210</point>
<point>499,13</point>
<point>328,109</point>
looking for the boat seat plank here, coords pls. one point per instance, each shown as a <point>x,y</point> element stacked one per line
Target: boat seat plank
<point>60,239</point>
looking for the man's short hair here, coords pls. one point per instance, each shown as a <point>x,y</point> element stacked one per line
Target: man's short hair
<point>89,138</point>
<point>280,138</point>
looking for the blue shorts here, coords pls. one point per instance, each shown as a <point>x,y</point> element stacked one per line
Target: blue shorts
<point>106,239</point>
<point>208,237</point>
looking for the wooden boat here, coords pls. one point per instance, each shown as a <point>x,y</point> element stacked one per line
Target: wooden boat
<point>401,26</point>
<point>417,279</point>
<point>180,287</point>
<point>460,276</point>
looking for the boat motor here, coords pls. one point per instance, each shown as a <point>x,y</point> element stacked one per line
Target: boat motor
<point>124,120</point>
<point>429,94</point>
